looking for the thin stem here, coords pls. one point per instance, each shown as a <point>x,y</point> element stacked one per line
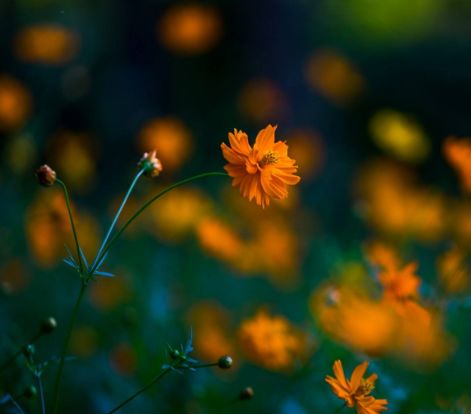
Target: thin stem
<point>340,408</point>
<point>18,353</point>
<point>72,223</point>
<point>17,406</point>
<point>120,209</point>
<point>212,364</point>
<point>143,389</point>
<point>65,346</point>
<point>147,204</point>
<point>41,394</point>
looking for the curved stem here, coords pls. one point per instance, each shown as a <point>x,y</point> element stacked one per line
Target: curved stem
<point>115,219</point>
<point>147,204</point>
<point>73,318</point>
<point>139,392</point>
<point>72,224</point>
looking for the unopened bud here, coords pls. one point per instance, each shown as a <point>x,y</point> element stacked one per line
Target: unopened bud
<point>46,175</point>
<point>48,325</point>
<point>150,164</point>
<point>225,362</point>
<point>28,350</point>
<point>31,392</point>
<point>246,394</point>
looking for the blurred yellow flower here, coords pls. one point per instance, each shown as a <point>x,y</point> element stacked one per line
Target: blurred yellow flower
<point>179,213</point>
<point>73,155</point>
<point>458,153</point>
<point>170,137</point>
<point>334,76</point>
<point>189,29</point>
<point>46,43</point>
<point>400,284</point>
<point>15,103</point>
<point>392,203</point>
<point>272,341</point>
<point>399,136</point>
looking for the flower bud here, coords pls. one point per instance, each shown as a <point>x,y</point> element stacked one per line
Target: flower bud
<point>246,394</point>
<point>150,164</point>
<point>46,175</point>
<point>225,362</point>
<point>31,392</point>
<point>48,325</point>
<point>28,350</point>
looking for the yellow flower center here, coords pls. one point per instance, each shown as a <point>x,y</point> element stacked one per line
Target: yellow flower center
<point>269,158</point>
<point>365,387</point>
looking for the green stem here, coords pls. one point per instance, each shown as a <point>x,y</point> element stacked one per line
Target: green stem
<point>72,224</point>
<point>41,393</point>
<point>73,318</point>
<point>143,389</point>
<point>147,204</point>
<point>115,219</point>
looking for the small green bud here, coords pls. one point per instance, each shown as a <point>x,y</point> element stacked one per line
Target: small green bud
<point>246,394</point>
<point>175,354</point>
<point>31,392</point>
<point>225,362</point>
<point>48,325</point>
<point>29,350</point>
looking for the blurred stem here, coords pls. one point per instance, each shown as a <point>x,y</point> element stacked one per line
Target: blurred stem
<point>20,350</point>
<point>73,318</point>
<point>72,224</point>
<point>143,389</point>
<point>41,393</point>
<point>118,213</point>
<point>147,204</point>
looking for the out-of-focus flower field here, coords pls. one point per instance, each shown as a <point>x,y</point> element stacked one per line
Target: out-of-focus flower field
<point>366,259</point>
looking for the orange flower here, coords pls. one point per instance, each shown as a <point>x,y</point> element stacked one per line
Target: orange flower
<point>400,284</point>
<point>458,153</point>
<point>356,390</point>
<point>261,172</point>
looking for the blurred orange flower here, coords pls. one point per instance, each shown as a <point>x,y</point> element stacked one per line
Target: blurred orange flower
<point>46,43</point>
<point>219,239</point>
<point>453,272</point>
<point>211,323</point>
<point>334,76</point>
<point>15,103</point>
<point>189,28</point>
<point>261,172</point>
<point>356,391</point>
<point>355,320</point>
<point>400,284</point>
<point>458,153</point>
<point>272,341</point>
<point>170,137</point>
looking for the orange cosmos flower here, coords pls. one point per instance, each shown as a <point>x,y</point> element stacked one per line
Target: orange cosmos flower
<point>356,390</point>
<point>261,172</point>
